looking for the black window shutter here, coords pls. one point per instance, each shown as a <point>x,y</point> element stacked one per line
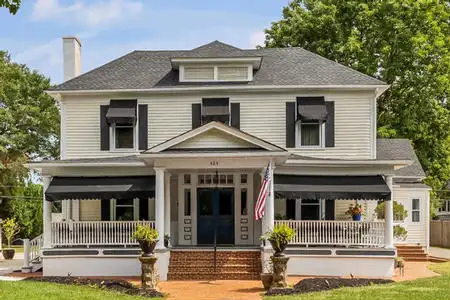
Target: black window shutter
<point>236,115</point>
<point>329,125</point>
<point>290,124</point>
<point>143,209</point>
<point>143,126</point>
<point>105,209</point>
<point>104,128</point>
<point>196,115</point>
<point>329,209</point>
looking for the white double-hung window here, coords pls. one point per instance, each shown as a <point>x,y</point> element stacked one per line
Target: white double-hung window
<point>415,210</point>
<point>310,133</point>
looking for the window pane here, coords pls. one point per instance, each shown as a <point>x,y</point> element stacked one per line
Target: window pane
<point>225,203</point>
<point>218,118</point>
<point>244,202</point>
<point>187,202</point>
<point>124,213</point>
<point>124,138</point>
<point>187,178</point>
<point>205,204</point>
<point>243,178</point>
<point>124,202</point>
<point>57,207</point>
<point>415,203</point>
<point>416,216</point>
<point>310,134</point>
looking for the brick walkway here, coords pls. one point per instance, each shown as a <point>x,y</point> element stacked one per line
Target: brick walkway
<point>246,289</point>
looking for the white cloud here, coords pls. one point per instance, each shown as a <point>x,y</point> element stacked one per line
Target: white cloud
<point>257,38</point>
<point>90,14</point>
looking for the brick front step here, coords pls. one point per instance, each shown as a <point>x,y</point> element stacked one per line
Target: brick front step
<point>199,265</point>
<point>411,253</point>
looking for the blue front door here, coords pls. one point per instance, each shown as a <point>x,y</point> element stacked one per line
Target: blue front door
<point>215,216</point>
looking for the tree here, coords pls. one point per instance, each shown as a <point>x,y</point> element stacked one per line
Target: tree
<point>404,43</point>
<point>29,125</point>
<point>12,5</point>
<point>26,208</point>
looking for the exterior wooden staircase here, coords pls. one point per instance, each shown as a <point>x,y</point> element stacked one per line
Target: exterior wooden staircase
<point>411,253</point>
<point>199,265</point>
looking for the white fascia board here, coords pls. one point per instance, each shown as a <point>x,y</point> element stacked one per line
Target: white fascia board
<point>214,154</point>
<point>254,88</point>
<point>348,162</point>
<point>83,164</point>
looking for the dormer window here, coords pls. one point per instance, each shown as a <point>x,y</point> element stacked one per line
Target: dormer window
<point>216,109</point>
<point>219,73</point>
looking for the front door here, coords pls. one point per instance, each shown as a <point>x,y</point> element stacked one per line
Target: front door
<point>215,216</point>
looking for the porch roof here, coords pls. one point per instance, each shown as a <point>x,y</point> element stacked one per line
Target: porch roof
<point>331,187</point>
<point>100,187</point>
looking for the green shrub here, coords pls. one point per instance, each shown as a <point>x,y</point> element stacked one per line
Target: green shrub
<point>400,232</point>
<point>146,233</point>
<point>400,213</point>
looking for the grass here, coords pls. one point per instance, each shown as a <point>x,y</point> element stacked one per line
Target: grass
<point>19,248</point>
<point>28,290</point>
<point>433,288</point>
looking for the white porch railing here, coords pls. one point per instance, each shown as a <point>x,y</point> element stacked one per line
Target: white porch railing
<point>89,233</point>
<point>337,233</point>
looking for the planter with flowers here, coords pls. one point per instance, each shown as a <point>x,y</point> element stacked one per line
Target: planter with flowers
<point>355,211</point>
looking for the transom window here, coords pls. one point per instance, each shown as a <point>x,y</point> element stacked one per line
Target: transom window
<point>310,134</point>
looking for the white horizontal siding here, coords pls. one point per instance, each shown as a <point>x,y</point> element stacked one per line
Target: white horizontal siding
<point>417,231</point>
<point>262,115</point>
<point>213,139</point>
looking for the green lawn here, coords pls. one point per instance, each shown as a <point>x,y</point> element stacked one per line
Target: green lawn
<point>434,288</point>
<point>28,290</point>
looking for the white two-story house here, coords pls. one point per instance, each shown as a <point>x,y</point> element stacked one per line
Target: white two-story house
<point>180,139</point>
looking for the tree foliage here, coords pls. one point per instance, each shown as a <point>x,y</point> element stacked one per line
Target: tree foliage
<point>12,5</point>
<point>26,208</point>
<point>405,43</point>
<point>29,125</point>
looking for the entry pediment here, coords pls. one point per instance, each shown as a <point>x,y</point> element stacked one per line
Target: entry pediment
<point>214,136</point>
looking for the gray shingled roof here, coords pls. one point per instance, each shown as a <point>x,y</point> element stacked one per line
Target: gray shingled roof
<point>400,149</point>
<point>279,67</point>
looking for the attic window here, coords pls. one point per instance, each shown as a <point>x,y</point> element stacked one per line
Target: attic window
<point>216,73</point>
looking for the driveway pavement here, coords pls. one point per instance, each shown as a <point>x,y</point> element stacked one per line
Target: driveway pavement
<point>7,266</point>
<point>440,252</point>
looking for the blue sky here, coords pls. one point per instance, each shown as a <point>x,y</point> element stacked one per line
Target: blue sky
<point>111,28</point>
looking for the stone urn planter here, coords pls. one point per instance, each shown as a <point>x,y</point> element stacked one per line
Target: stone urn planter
<point>147,238</point>
<point>8,254</point>
<point>266,279</point>
<point>279,239</point>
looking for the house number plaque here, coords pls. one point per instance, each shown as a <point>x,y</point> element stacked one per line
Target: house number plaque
<point>213,163</point>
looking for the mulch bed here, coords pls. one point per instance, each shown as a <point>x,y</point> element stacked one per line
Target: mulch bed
<point>309,285</point>
<point>121,286</point>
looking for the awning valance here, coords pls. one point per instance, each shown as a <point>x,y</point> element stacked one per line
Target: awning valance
<point>122,112</point>
<point>63,188</point>
<point>331,187</point>
<point>311,108</point>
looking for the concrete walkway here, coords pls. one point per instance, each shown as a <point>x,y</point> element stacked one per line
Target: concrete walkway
<point>8,266</point>
<point>440,252</point>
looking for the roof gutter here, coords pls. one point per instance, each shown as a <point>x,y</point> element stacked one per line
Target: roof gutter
<point>379,89</point>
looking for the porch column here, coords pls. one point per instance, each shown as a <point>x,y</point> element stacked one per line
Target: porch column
<point>167,204</point>
<point>159,206</point>
<point>268,220</point>
<point>46,214</point>
<point>389,215</point>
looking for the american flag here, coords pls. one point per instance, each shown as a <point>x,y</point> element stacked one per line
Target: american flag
<point>263,192</point>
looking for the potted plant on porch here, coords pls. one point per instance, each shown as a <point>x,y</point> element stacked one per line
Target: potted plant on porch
<point>147,238</point>
<point>11,229</point>
<point>279,238</point>
<point>355,211</point>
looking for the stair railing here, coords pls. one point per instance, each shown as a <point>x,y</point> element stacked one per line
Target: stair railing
<point>31,252</point>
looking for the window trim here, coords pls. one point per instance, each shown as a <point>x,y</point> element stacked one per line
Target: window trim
<point>112,135</point>
<point>298,135</point>
<point>114,206</point>
<point>416,210</point>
